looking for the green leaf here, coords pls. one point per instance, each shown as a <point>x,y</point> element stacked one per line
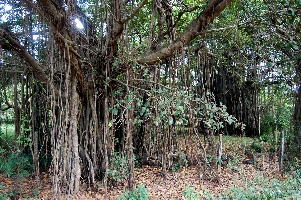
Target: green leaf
<point>181,108</point>
<point>291,12</point>
<point>142,111</point>
<point>295,47</point>
<point>146,103</point>
<point>170,121</point>
<point>115,111</point>
<point>130,97</point>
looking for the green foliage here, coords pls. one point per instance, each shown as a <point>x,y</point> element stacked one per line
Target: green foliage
<point>166,106</point>
<point>281,120</point>
<point>267,124</point>
<point>190,193</point>
<point>7,130</point>
<point>138,193</point>
<point>15,164</point>
<point>206,194</point>
<point>4,196</point>
<point>257,147</point>
<point>293,165</point>
<point>180,163</point>
<point>118,167</point>
<point>234,163</point>
<point>271,141</point>
<point>262,189</point>
<point>7,136</point>
<point>23,139</point>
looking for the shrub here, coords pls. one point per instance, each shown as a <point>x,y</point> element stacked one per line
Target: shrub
<point>190,193</point>
<point>234,163</point>
<point>138,193</point>
<point>181,162</point>
<point>15,164</point>
<point>3,196</point>
<point>257,147</point>
<point>118,167</point>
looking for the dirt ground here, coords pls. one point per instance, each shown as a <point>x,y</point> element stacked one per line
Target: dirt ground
<point>158,188</point>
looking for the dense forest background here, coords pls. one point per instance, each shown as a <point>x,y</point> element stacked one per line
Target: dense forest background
<point>87,81</point>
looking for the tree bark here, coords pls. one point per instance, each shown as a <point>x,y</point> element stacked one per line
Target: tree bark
<point>130,129</point>
<point>213,9</point>
<point>17,110</point>
<point>76,170</point>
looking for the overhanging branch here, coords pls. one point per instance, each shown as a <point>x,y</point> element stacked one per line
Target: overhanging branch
<point>213,9</point>
<point>8,42</point>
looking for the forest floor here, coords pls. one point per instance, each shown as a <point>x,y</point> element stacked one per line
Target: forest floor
<point>235,174</point>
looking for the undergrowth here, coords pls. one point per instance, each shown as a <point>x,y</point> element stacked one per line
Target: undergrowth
<point>138,193</point>
<point>190,193</point>
<point>118,167</point>
<point>263,189</point>
<point>15,164</point>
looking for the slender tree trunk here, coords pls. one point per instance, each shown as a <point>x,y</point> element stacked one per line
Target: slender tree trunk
<point>130,129</point>
<point>297,124</point>
<point>17,110</point>
<point>76,171</point>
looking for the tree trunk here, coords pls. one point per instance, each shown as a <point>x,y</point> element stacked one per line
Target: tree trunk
<point>17,110</point>
<point>297,125</point>
<point>130,129</point>
<point>75,168</point>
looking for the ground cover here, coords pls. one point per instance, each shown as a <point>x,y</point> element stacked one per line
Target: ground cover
<point>237,180</point>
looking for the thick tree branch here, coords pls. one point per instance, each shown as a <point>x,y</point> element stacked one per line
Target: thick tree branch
<point>10,43</point>
<point>61,27</point>
<point>213,9</point>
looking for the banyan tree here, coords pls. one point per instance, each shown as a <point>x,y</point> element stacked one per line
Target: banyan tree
<point>102,76</point>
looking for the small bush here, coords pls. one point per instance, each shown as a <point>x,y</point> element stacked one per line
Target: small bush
<point>181,162</point>
<point>234,163</point>
<point>118,167</point>
<point>293,165</point>
<point>190,193</point>
<point>15,164</point>
<point>3,196</point>
<point>257,147</point>
<point>138,193</point>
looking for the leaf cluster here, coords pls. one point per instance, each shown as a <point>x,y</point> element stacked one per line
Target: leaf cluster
<point>138,193</point>
<point>15,164</point>
<point>118,167</point>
